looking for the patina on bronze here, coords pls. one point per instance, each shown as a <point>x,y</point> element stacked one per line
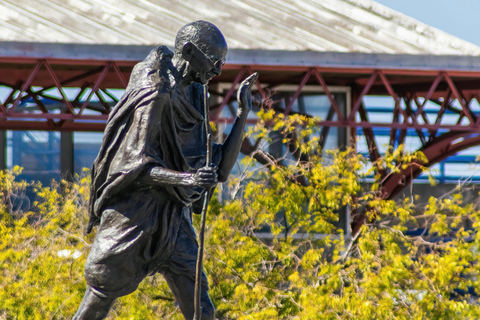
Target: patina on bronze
<point>151,174</point>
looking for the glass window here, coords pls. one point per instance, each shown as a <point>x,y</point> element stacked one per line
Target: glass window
<point>38,152</point>
<point>85,149</point>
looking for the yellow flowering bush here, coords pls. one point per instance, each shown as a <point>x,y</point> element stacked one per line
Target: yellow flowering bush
<point>273,246</point>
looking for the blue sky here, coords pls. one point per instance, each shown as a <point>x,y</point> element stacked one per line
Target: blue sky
<point>460,18</point>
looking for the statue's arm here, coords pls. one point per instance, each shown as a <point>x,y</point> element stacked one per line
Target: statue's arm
<point>231,146</point>
<point>161,177</point>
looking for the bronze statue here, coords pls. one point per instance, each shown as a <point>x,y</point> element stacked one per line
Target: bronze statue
<point>151,173</point>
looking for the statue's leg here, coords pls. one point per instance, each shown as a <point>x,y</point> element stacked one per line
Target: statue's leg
<point>180,273</point>
<point>93,307</point>
<point>115,264</point>
<point>183,287</point>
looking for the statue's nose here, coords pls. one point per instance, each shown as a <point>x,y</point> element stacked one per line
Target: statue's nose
<point>217,70</point>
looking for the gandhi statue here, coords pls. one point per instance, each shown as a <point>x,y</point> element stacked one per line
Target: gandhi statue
<point>151,174</point>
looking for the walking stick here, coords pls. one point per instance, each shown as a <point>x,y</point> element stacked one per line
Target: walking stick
<point>198,277</point>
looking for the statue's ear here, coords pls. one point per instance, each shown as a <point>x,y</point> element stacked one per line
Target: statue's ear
<point>187,51</point>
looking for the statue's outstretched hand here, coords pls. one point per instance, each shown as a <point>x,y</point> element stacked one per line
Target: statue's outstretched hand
<point>205,177</point>
<point>244,95</point>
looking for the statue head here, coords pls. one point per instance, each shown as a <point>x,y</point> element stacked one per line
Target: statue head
<point>202,46</point>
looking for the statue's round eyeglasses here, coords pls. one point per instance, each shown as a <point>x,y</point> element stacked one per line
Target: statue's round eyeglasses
<point>202,56</point>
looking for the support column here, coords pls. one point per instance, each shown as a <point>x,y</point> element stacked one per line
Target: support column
<point>66,155</point>
<point>353,130</point>
<point>3,149</point>
<point>341,100</point>
<point>342,142</point>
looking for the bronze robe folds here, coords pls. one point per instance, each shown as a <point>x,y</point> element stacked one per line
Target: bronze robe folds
<point>154,124</point>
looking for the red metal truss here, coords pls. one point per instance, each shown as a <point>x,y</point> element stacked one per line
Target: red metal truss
<point>32,80</point>
<point>441,106</point>
<point>38,81</point>
<point>438,150</point>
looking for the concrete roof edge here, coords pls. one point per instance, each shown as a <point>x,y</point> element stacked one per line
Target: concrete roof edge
<point>355,60</point>
<point>105,52</point>
<point>75,51</point>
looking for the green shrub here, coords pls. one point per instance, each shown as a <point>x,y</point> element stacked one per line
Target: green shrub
<point>295,273</point>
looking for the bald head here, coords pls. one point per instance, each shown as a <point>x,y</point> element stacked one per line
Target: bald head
<point>200,52</point>
<point>201,33</point>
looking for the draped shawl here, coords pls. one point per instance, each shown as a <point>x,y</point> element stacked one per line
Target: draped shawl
<point>153,124</point>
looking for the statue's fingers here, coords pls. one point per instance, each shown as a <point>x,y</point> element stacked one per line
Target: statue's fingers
<point>249,81</point>
<point>212,169</point>
<point>252,78</point>
<point>205,176</point>
<point>208,175</point>
<point>252,81</point>
<point>209,182</point>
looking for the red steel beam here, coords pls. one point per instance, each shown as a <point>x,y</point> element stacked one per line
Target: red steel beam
<point>46,126</point>
<point>119,74</point>
<point>299,90</point>
<point>26,85</point>
<point>444,147</point>
<point>229,94</point>
<point>59,87</point>
<point>335,107</point>
<point>95,87</point>
<point>457,94</point>
<point>362,94</point>
<point>57,116</point>
<point>429,95</point>
<point>257,83</point>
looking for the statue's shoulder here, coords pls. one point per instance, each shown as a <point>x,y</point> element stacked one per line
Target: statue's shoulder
<point>164,51</point>
<point>153,71</point>
<point>158,58</point>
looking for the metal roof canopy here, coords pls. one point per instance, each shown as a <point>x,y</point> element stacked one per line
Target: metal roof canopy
<point>300,25</point>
